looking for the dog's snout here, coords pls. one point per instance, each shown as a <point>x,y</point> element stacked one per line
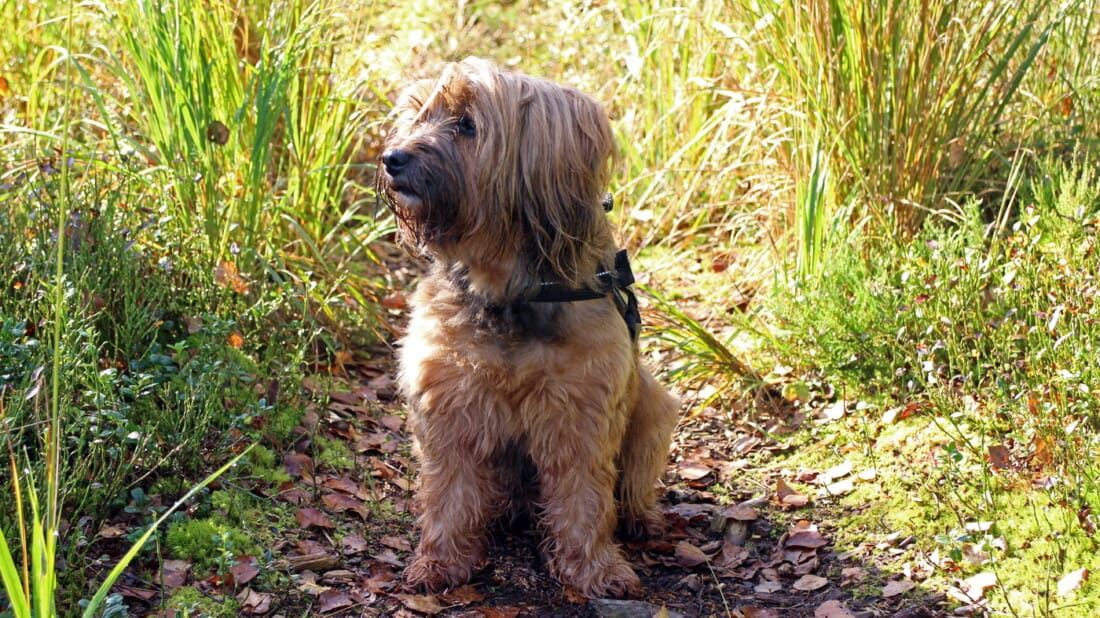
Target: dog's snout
<point>395,160</point>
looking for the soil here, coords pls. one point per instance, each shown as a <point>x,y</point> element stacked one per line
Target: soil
<point>708,563</point>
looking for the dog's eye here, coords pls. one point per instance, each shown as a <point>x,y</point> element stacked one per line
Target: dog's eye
<point>466,126</point>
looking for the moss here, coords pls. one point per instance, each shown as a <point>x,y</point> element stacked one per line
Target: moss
<point>188,601</point>
<point>211,543</point>
<point>333,454</point>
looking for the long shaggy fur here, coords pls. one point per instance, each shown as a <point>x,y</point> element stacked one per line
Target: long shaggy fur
<point>498,178</point>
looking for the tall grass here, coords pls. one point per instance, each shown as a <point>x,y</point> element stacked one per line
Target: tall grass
<point>907,96</point>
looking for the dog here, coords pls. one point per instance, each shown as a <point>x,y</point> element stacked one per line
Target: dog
<point>520,350</point>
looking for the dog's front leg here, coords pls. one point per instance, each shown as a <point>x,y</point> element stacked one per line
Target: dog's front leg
<point>575,456</point>
<point>457,496</point>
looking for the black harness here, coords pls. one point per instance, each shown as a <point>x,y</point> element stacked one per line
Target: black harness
<point>615,282</point>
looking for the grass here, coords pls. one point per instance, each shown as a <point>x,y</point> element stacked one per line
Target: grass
<point>896,200</point>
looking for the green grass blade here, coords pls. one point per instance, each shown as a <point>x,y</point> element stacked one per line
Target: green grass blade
<point>105,587</point>
<point>13,587</point>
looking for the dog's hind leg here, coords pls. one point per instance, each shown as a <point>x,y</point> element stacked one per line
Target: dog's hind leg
<point>644,456</point>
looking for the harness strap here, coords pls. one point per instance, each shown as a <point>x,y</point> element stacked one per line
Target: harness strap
<point>615,282</point>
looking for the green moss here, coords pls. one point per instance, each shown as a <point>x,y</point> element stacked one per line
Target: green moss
<point>188,601</point>
<point>333,454</point>
<point>211,543</point>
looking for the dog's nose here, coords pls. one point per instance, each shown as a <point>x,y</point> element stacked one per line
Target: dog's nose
<point>395,160</point>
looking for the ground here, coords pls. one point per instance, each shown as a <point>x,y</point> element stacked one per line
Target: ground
<point>735,546</point>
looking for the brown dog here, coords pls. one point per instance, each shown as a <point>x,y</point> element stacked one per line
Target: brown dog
<point>518,353</point>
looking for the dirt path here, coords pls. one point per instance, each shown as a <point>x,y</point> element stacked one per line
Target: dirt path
<point>726,554</point>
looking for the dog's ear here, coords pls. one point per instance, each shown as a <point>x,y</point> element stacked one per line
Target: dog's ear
<point>567,145</point>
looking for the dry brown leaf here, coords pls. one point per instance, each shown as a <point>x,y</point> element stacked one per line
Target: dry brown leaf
<point>740,512</point>
<point>499,612</point>
<point>808,538</point>
<point>173,573</point>
<point>463,595</point>
<point>226,276</point>
<point>809,583</point>
<point>733,555</point>
<point>244,571</point>
<point>689,555</point>
<point>896,587</point>
<point>1000,457</point>
<point>838,488</point>
<point>332,600</point>
<point>759,612</point>
<point>852,575</point>
<point>767,586</point>
<point>1072,581</point>
<point>975,586</point>
<point>254,603</point>
<point>353,544</point>
<point>787,496</point>
<point>399,543</point>
<point>832,609</point>
<point>343,502</point>
<point>296,464</point>
<point>310,517</point>
<point>693,470</point>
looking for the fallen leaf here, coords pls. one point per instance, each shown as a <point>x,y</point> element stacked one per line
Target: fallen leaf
<point>312,518</point>
<point>255,603</point>
<point>809,583</point>
<point>766,587</point>
<point>399,543</point>
<point>343,502</point>
<point>226,276</point>
<point>839,471</point>
<point>852,575</point>
<point>732,555</point>
<point>839,488</point>
<point>832,609</point>
<point>689,555</point>
<point>758,612</point>
<point>896,587</point>
<point>136,593</point>
<point>740,512</point>
<point>424,604</point>
<point>463,595</point>
<point>976,585</point>
<point>499,612</point>
<point>111,532</point>
<point>693,470</point>
<point>296,464</point>
<point>332,600</point>
<point>244,571</point>
<point>789,497</point>
<point>999,457</point>
<point>1072,581</point>
<point>808,538</point>
<point>832,412</point>
<point>353,544</point>
<point>173,573</point>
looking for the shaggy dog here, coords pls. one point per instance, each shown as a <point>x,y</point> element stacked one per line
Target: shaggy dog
<point>520,353</point>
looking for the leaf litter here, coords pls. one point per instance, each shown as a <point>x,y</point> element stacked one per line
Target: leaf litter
<point>756,548</point>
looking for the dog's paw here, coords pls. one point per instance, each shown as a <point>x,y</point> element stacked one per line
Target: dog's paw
<point>648,525</point>
<point>617,581</point>
<point>610,576</point>
<point>432,574</point>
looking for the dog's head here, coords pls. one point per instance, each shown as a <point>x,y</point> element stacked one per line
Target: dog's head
<point>485,165</point>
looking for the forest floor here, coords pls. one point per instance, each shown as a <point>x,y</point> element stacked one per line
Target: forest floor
<point>762,550</point>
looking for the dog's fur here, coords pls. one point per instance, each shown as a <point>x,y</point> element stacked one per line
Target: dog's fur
<point>498,178</point>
